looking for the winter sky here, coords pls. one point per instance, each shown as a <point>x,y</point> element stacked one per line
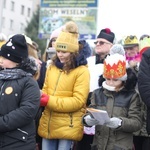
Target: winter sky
<point>125,17</point>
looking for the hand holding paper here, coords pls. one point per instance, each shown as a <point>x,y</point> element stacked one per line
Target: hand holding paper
<point>100,115</point>
<point>90,121</point>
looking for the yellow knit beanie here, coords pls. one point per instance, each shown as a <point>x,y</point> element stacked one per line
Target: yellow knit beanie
<point>67,40</point>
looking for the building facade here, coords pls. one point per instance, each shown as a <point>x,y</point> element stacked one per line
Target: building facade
<point>15,15</point>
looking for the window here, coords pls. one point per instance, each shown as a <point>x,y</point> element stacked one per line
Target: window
<point>11,24</point>
<point>22,9</point>
<point>4,3</point>
<point>3,22</point>
<point>29,11</point>
<point>21,27</point>
<point>12,6</point>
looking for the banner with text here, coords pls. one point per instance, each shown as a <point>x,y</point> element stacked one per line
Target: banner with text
<point>55,13</point>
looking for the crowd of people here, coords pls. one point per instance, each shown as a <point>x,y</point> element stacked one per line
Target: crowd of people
<point>44,100</point>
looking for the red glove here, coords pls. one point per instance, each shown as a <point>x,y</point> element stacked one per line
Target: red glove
<point>44,99</point>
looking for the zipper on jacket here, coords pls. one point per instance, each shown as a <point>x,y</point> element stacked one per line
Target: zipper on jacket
<point>71,120</point>
<point>49,124</point>
<point>22,131</point>
<point>1,88</point>
<point>57,82</point>
<point>51,111</point>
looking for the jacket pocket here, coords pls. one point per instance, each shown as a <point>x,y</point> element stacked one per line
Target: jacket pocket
<point>18,134</point>
<point>94,147</point>
<point>118,147</point>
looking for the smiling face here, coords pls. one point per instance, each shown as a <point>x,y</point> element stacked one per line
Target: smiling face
<point>63,56</point>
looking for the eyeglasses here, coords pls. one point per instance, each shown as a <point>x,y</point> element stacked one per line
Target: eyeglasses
<point>101,43</point>
<point>129,48</point>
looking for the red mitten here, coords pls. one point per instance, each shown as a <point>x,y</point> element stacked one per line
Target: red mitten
<point>44,100</point>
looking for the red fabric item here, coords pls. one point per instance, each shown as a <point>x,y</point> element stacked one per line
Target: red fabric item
<point>107,30</point>
<point>143,50</point>
<point>44,100</point>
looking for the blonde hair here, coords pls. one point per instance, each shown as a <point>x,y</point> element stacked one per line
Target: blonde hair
<point>33,52</point>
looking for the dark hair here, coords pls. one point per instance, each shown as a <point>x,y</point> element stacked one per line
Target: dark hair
<point>70,64</point>
<point>50,42</point>
<point>101,80</point>
<point>131,79</point>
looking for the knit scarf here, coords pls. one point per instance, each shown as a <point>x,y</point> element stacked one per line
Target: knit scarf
<point>15,73</point>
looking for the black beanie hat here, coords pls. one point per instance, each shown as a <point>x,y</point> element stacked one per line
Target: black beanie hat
<point>15,49</point>
<point>106,34</point>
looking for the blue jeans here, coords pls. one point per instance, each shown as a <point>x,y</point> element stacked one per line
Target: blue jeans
<point>56,144</point>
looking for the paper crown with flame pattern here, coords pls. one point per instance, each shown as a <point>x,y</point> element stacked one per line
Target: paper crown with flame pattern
<point>130,41</point>
<point>115,67</point>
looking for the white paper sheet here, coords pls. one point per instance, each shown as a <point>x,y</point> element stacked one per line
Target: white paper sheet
<point>100,115</point>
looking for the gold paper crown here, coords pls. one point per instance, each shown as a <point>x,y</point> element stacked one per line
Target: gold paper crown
<point>114,67</point>
<point>131,41</point>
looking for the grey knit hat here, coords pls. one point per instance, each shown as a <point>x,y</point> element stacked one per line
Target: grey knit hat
<point>117,48</point>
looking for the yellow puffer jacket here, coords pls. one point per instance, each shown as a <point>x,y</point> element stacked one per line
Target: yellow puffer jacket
<point>68,93</point>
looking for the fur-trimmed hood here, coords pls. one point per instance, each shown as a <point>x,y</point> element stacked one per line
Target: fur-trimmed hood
<point>29,65</point>
<point>84,53</point>
<point>86,50</point>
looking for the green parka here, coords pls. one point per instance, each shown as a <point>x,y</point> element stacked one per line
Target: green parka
<point>124,105</point>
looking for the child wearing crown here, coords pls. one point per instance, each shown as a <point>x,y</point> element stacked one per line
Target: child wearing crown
<point>118,97</point>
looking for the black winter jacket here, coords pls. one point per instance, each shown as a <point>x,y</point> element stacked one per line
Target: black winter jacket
<point>19,102</point>
<point>144,83</point>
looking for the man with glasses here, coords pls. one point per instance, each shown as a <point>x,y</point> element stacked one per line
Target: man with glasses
<point>103,43</point>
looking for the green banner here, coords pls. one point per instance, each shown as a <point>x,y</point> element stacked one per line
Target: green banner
<point>52,18</point>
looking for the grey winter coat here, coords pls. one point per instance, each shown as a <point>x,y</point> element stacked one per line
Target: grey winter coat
<point>124,105</point>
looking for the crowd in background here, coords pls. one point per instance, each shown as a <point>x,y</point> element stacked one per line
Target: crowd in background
<point>72,77</point>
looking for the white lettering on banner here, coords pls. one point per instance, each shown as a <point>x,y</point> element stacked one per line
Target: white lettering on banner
<point>80,12</point>
<point>65,12</point>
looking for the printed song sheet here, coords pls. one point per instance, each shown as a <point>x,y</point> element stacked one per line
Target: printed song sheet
<point>100,115</point>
